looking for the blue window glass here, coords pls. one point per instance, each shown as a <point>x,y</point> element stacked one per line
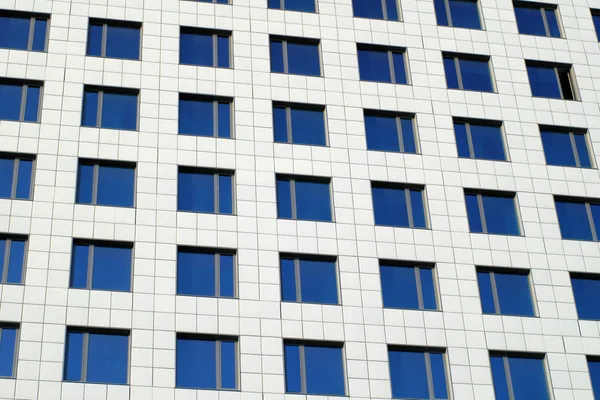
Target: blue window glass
<point>309,280</point>
<point>506,293</point>
<point>408,286</point>
<point>537,19</point>
<point>578,219</point>
<point>20,100</point>
<point>299,124</point>
<point>390,132</point>
<point>586,290</point>
<point>96,356</point>
<point>381,64</point>
<point>566,148</point>
<point>596,19</point>
<point>206,48</point>
<point>16,177</point>
<point>458,13</point>
<point>205,191</point>
<point>295,56</point>
<point>110,108</point>
<point>399,206</point>
<point>479,140</point>
<point>23,31</point>
<point>523,376</point>
<point>376,9</point>
<point>294,5</point>
<point>550,80</point>
<point>205,116</point>
<point>114,39</point>
<point>468,73</point>
<point>594,370</point>
<point>314,369</point>
<point>204,272</point>
<point>8,347</point>
<point>213,1</point>
<point>417,374</point>
<point>206,362</point>
<point>304,199</point>
<point>499,214</point>
<point>110,184</point>
<point>101,265</point>
<point>12,258</point>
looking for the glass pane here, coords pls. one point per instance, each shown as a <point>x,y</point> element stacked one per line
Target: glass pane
<point>564,77</point>
<point>79,267</point>
<point>543,82</point>
<point>465,14</point>
<point>500,215</point>
<point>528,378</point>
<point>462,141</point>
<point>391,7</point>
<point>280,124</point>
<point>107,358</point>
<point>196,49</point>
<point>276,51</point>
<point>303,59</point>
<point>487,142</point>
<point>196,117</point>
<point>408,135</point>
<point>14,32</point>
<point>32,103</point>
<point>225,194</point>
<point>473,213</point>
<point>227,276</point>
<point>587,297</point>
<point>284,199</point>
<point>288,280</point>
<point>8,343</point>
<point>308,126</point>
<point>427,288</point>
<point>115,186</point>
<point>558,149</point>
<point>552,20</point>
<point>16,261</point>
<point>451,73</point>
<point>94,44</point>
<point>573,221</point>
<point>313,201</point>
<point>408,375</point>
<point>389,205</point>
<point>274,4</point>
<point>418,209</point>
<point>224,122</point>
<point>382,133</point>
<point>123,42</point>
<point>89,115</point>
<point>196,192</point>
<point>324,370</point>
<point>293,383</point>
<point>485,292</point>
<point>582,150</point>
<point>438,373</point>
<point>85,182</point>
<point>318,282</point>
<point>300,5</point>
<point>3,250</point>
<point>499,377</point>
<point>39,34</point>
<point>195,273</point>
<point>596,18</point>
<point>367,9</point>
<point>223,51</point>
<point>112,268</point>
<point>399,68</point>
<point>529,21</point>
<point>228,365</point>
<point>476,75</point>
<point>24,179</point>
<point>399,287</point>
<point>374,65</point>
<point>10,101</point>
<point>514,294</point>
<point>441,12</point>
<point>119,111</point>
<point>6,177</point>
<point>73,356</point>
<point>594,369</point>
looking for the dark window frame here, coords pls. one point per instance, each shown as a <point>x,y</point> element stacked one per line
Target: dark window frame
<point>306,178</point>
<point>472,57</point>
<point>533,355</point>
<point>297,257</point>
<point>216,172</point>
<point>591,276</point>
<point>541,7</point>
<point>17,327</point>
<point>4,264</point>
<point>301,40</point>
<point>570,74</point>
<point>25,84</point>
<point>288,106</point>
<point>384,11</point>
<point>33,17</point>
<point>406,187</point>
<point>398,115</point>
<point>17,157</point>
<point>416,266</point>
<point>216,100</point>
<point>390,50</point>
<point>494,193</point>
<point>217,251</point>
<point>486,122</point>
<point>514,271</point>
<point>97,163</point>
<point>572,132</point>
<point>449,15</point>
<point>215,34</point>
<point>116,23</point>
<point>282,7</point>
<point>113,90</point>
<point>587,202</point>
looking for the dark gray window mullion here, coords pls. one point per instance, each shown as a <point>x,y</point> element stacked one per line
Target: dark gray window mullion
<point>495,293</point>
<point>218,363</point>
<point>419,288</point>
<point>31,32</point>
<point>282,4</point>
<point>411,222</point>
<point>511,393</point>
<point>562,95</point>
<point>588,209</point>
<point>99,110</point>
<point>400,133</point>
<point>217,274</point>
<point>95,184</point>
<point>288,124</point>
<point>384,10</point>
<point>297,280</point>
<point>545,21</point>
<point>448,15</point>
<point>458,73</point>
<point>104,36</point>
<point>574,148</point>
<point>215,55</point>
<point>215,118</point>
<point>15,178</point>
<point>285,56</point>
<point>391,66</point>
<point>84,357</point>
<point>216,192</point>
<point>429,375</point>
<point>23,102</point>
<point>90,266</point>
<point>303,385</point>
<point>482,213</point>
<point>470,140</point>
<point>6,260</point>
<point>293,198</point>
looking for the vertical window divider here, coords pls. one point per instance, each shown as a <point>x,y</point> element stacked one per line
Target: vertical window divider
<point>588,209</point>
<point>511,393</point>
<point>384,10</point>
<point>90,266</point>
<point>575,150</point>
<point>303,385</point>
<point>217,274</point>
<point>430,386</point>
<point>99,108</point>
<point>285,56</point>
<point>216,192</point>
<point>288,123</point>
<point>31,33</point>
<point>545,21</point>
<point>96,172</point>
<point>411,222</point>
<point>448,14</point>
<point>293,198</point>
<point>218,374</point>
<point>15,179</point>
<point>419,288</point>
<point>297,278</point>
<point>400,133</point>
<point>23,102</point>
<point>562,95</point>
<point>215,50</point>
<point>215,105</point>
<point>494,292</point>
<point>481,213</point>
<point>84,356</point>
<point>5,262</point>
<point>458,73</point>
<point>470,140</point>
<point>391,61</point>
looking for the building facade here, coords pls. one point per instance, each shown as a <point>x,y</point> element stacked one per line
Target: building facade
<point>269,199</point>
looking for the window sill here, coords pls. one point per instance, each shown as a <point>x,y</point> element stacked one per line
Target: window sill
<point>205,212</point>
<point>113,58</point>
<point>472,91</point>
<point>111,129</point>
<point>555,98</point>
<point>292,74</point>
<point>305,220</point>
<point>461,27</point>
<point>310,303</point>
<point>497,234</point>
<point>403,227</point>
<point>377,19</point>
<point>512,315</point>
<point>204,66</point>
<point>96,383</point>
<point>106,205</point>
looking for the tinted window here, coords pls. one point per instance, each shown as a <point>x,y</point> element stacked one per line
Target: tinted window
<point>110,108</point>
<point>203,272</point>
<point>506,293</point>
<point>114,39</point>
<point>406,286</point>
<point>594,369</point>
<point>314,369</point>
<point>205,191</point>
<point>206,363</point>
<point>537,19</point>
<point>417,374</point>
<point>16,177</point>
<point>377,9</point>
<point>565,148</point>
<point>524,376</point>
<point>390,132</point>
<point>101,266</point>
<point>8,347</point>
<point>293,5</point>
<point>299,124</point>
<point>596,19</point>
<point>577,218</point>
<point>586,289</point>
<point>20,100</point>
<point>479,140</point>
<point>96,356</point>
<point>309,280</point>
<point>551,81</point>
<point>303,199</point>
<point>380,64</point>
<point>12,258</point>
<point>205,116</point>
<point>23,31</point>
<point>105,184</point>
<point>458,13</point>
<point>468,73</point>
<point>295,56</point>
<point>492,213</point>
<point>205,48</point>
<point>399,206</point>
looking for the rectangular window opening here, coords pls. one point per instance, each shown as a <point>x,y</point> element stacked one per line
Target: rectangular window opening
<point>20,100</point>
<point>388,10</point>
<point>391,131</point>
<point>205,47</point>
<point>468,72</point>
<point>296,56</point>
<point>408,285</point>
<point>203,190</point>
<point>110,108</point>
<point>523,375</point>
<point>399,205</point>
<point>205,116</point>
<point>418,373</point>
<point>24,31</point>
<point>382,64</point>
<point>480,139</point>
<point>578,218</point>
<point>206,272</point>
<point>458,13</point>
<point>566,147</point>
<point>537,19</point>
<point>13,258</point>
<point>505,291</point>
<point>551,80</point>
<point>114,39</point>
<point>586,291</point>
<point>16,176</point>
<point>105,183</point>
<point>304,198</point>
<point>299,124</point>
<point>309,279</point>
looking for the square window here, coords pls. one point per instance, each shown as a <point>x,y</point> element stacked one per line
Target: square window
<point>377,9</point>
<point>553,81</point>
<point>537,19</point>
<point>23,31</point>
<point>206,362</point>
<point>101,265</point>
<point>393,132</point>
<point>299,124</point>
<point>206,272</point>
<point>578,218</point>
<point>110,108</point>
<point>205,116</point>
<point>468,72</point>
<point>9,338</point>
<point>398,205</point>
<point>12,258</point>
<point>20,100</point>
<point>522,375</point>
<point>205,191</point>
<point>294,5</point>
<point>382,64</point>
<point>114,39</point>
<point>105,183</point>
<point>505,292</point>
<point>96,356</point>
<point>408,286</point>
<point>586,290</point>
<point>479,140</point>
<point>295,56</point>
<point>566,147</point>
<point>304,199</point>
<point>309,279</point>
<point>417,374</point>
<point>314,369</point>
<point>16,176</point>
<point>205,48</point>
<point>492,212</point>
<point>458,13</point>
